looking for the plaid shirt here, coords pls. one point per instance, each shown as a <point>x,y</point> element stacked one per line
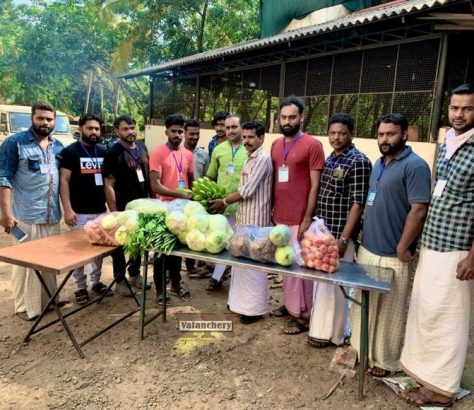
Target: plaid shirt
<point>450,222</point>
<point>344,181</point>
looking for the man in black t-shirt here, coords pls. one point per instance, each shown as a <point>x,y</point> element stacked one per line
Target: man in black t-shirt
<point>126,173</point>
<point>82,195</point>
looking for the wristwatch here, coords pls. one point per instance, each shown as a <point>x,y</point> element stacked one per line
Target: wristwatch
<point>344,241</point>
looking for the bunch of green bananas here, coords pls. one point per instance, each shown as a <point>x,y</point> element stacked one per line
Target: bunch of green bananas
<point>204,190</point>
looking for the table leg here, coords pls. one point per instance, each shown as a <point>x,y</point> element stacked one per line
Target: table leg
<point>163,285</point>
<point>364,340</point>
<point>52,302</point>
<point>142,309</point>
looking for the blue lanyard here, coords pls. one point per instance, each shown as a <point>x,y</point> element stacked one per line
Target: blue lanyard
<point>137,158</point>
<point>382,169</point>
<point>447,164</point>
<point>43,152</point>
<point>96,162</point>
<point>180,165</point>
<point>234,152</point>
<point>292,144</point>
<point>343,160</point>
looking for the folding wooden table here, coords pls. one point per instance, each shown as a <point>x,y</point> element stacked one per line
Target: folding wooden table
<point>60,254</point>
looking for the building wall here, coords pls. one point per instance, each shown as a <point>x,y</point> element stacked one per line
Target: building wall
<point>155,135</point>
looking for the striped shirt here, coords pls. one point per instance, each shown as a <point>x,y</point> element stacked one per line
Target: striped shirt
<point>449,225</point>
<point>255,187</point>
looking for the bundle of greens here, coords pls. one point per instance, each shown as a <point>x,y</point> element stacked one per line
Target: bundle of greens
<point>152,234</point>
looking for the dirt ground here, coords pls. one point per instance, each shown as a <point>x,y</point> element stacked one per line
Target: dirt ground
<point>253,367</point>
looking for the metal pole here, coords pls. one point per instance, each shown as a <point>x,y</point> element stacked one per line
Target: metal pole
<point>142,307</point>
<point>364,340</point>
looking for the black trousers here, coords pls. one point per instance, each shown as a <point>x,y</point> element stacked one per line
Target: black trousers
<point>120,266</point>
<point>172,265</point>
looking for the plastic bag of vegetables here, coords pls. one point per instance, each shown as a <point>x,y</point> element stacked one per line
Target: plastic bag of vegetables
<point>267,245</point>
<point>319,248</point>
<point>112,228</point>
<point>147,206</point>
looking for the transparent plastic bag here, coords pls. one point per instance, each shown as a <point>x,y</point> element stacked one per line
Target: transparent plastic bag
<point>260,244</point>
<point>343,361</point>
<point>112,228</point>
<point>147,205</point>
<point>319,248</point>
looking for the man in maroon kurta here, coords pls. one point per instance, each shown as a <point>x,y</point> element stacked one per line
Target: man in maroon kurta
<point>298,159</point>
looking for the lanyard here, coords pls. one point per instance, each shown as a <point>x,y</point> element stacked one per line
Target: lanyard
<point>285,152</point>
<point>382,169</point>
<point>45,154</point>
<point>447,164</point>
<point>94,162</point>
<point>343,160</point>
<point>136,158</point>
<point>180,165</point>
<point>234,152</point>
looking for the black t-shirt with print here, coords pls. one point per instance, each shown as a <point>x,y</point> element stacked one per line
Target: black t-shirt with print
<point>85,188</point>
<point>122,165</point>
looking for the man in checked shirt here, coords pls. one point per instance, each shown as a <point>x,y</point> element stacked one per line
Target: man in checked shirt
<point>343,191</point>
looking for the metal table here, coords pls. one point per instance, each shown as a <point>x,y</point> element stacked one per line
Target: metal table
<point>60,254</point>
<point>351,275</point>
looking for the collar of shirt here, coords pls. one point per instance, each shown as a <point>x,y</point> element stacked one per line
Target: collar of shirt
<point>32,136</point>
<point>333,154</point>
<point>257,152</point>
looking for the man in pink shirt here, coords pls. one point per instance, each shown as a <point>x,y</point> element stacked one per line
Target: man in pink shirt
<point>298,159</point>
<point>171,167</point>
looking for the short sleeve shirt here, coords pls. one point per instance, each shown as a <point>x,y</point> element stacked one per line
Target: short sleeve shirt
<point>450,222</point>
<point>87,197</point>
<point>173,165</point>
<point>122,166</point>
<point>218,170</point>
<point>291,198</point>
<point>344,181</point>
<point>200,162</point>
<point>405,180</point>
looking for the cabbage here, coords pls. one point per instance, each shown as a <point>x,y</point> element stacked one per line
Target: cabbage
<point>280,235</point>
<point>122,217</point>
<point>198,221</point>
<point>196,240</point>
<point>176,222</point>
<point>108,222</point>
<point>192,208</point>
<point>218,223</point>
<point>121,235</point>
<point>216,241</point>
<point>182,237</point>
<point>147,206</point>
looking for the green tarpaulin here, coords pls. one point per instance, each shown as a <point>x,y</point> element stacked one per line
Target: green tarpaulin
<point>276,14</point>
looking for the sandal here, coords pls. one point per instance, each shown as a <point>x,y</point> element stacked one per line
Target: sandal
<point>198,273</point>
<point>82,296</point>
<point>417,398</point>
<point>279,312</point>
<point>101,289</point>
<point>159,299</point>
<point>213,285</point>
<point>317,343</point>
<point>182,293</point>
<point>295,327</point>
<point>377,372</point>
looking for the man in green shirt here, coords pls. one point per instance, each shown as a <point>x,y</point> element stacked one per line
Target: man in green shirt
<point>226,166</point>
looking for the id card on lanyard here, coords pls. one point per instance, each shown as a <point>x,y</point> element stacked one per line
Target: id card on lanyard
<point>45,166</point>
<point>179,166</point>
<point>373,191</point>
<point>138,163</point>
<point>284,170</point>
<point>339,171</point>
<point>441,183</point>
<point>230,169</point>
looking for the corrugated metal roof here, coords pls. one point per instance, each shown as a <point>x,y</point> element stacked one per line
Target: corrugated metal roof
<point>361,17</point>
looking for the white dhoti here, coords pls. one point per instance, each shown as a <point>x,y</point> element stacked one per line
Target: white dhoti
<point>330,308</point>
<point>248,293</point>
<point>386,313</point>
<point>437,331</point>
<point>28,292</point>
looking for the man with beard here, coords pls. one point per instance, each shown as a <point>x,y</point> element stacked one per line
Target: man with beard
<point>200,164</point>
<point>344,186</point>
<point>29,163</point>
<point>126,177</point>
<point>298,159</point>
<point>396,208</point>
<point>248,294</point>
<point>171,167</point>
<point>218,122</point>
<point>437,335</point>
<point>226,166</point>
<point>82,195</point>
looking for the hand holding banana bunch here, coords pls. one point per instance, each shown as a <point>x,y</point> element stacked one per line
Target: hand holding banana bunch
<point>205,190</point>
